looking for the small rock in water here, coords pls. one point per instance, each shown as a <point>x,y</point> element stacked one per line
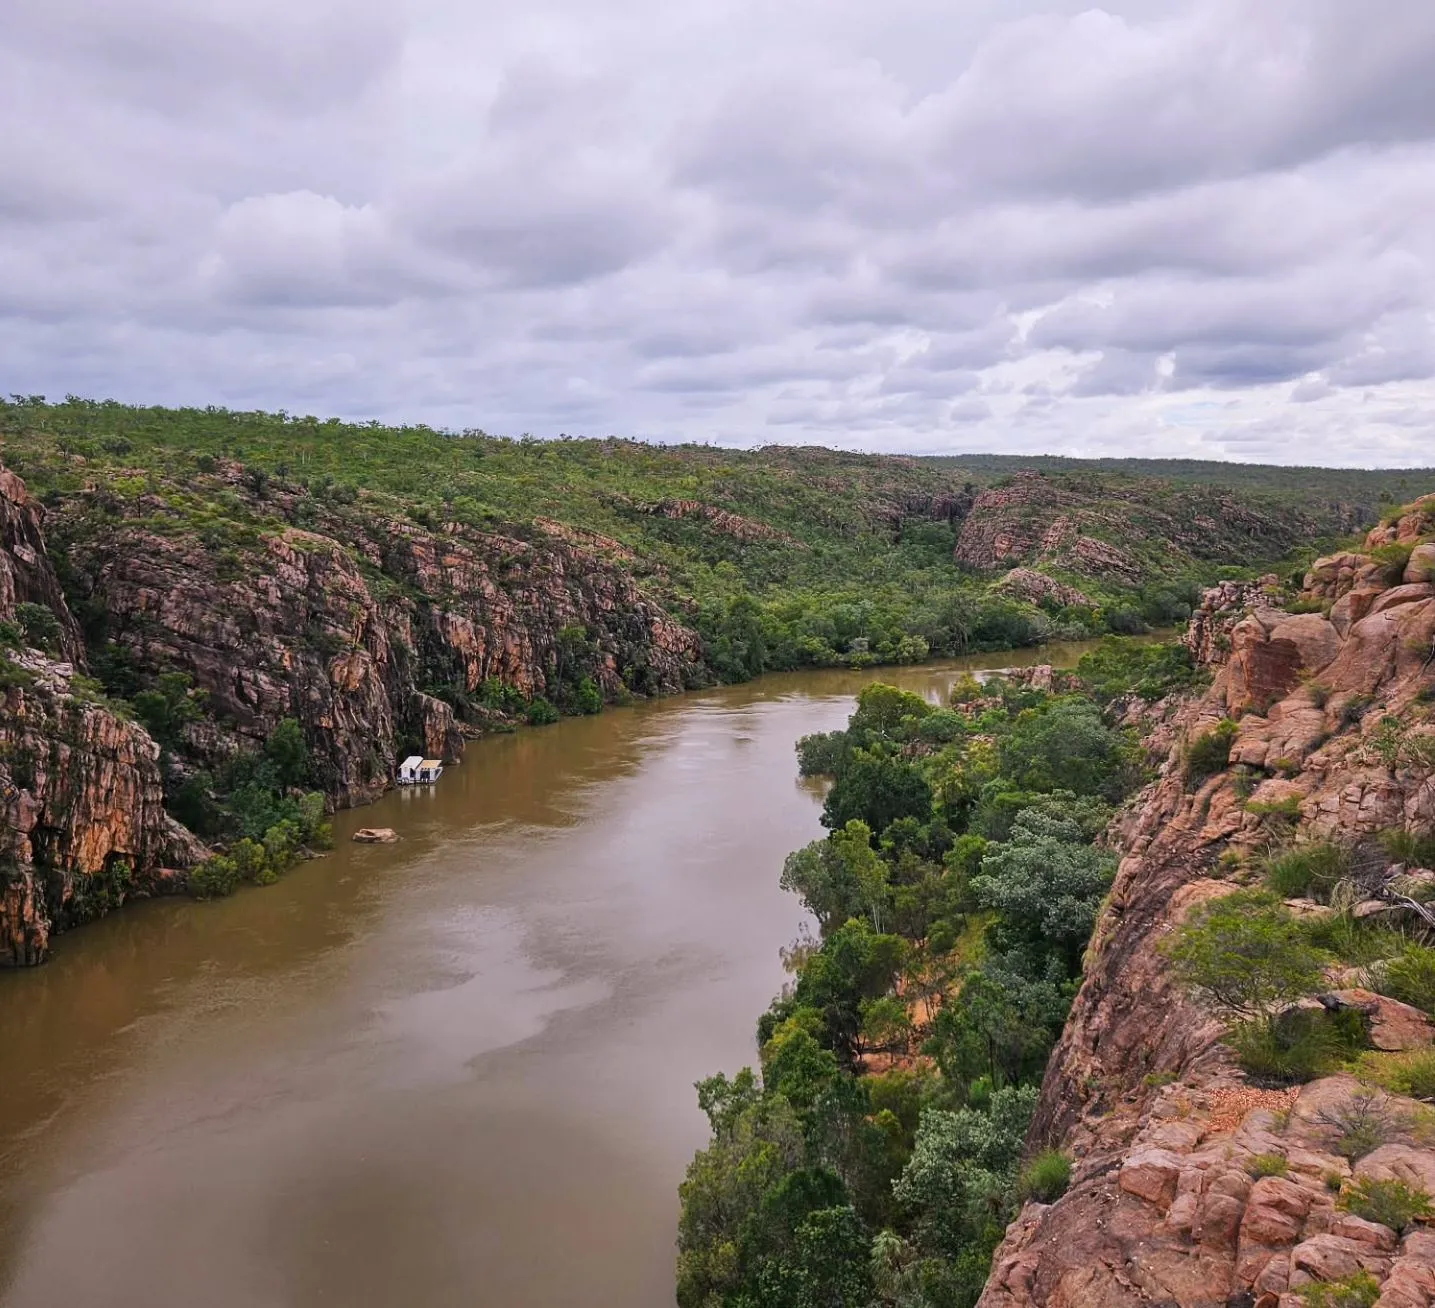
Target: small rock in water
<point>376,835</point>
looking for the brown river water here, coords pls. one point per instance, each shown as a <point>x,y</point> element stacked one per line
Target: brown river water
<point>453,1071</point>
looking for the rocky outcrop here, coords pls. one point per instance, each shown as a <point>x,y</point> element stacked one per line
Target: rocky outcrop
<point>1166,1206</point>
<point>27,575</point>
<point>1041,589</point>
<point>1119,533</point>
<point>721,520</point>
<point>355,624</point>
<point>82,819</point>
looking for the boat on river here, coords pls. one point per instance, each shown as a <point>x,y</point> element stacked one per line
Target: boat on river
<point>417,770</point>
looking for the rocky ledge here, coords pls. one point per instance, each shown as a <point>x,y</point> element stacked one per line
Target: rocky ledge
<point>1193,1188</point>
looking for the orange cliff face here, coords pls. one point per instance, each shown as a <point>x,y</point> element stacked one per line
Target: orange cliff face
<point>346,627</point>
<point>1163,1207</point>
<point>82,820</point>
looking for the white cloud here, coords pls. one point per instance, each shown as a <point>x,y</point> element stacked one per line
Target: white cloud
<point>1196,228</point>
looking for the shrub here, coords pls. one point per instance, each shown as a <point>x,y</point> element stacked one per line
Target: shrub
<point>1393,558</point>
<point>1353,940</point>
<point>1045,1177</point>
<point>1354,708</point>
<point>540,713</point>
<point>1405,846</point>
<point>1287,808</point>
<point>1411,1073</point>
<point>1360,1290</point>
<point>1410,977</point>
<point>1319,693</point>
<point>41,627</point>
<point>1246,955</point>
<point>1268,1165</point>
<point>1391,1203</point>
<point>1301,1046</point>
<point>587,698</point>
<point>214,878</point>
<point>1209,753</point>
<point>1362,1122</point>
<point>1312,870</point>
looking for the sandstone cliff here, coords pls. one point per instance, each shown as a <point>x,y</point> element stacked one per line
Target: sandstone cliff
<point>367,629</point>
<point>82,819</point>
<point>1122,532</point>
<point>1163,1207</point>
<point>378,636</point>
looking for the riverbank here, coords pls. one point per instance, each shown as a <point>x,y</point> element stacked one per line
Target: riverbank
<point>394,1075</point>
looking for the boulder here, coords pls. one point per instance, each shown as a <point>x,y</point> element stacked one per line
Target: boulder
<point>1393,1026</point>
<point>1151,1174</point>
<point>1312,634</point>
<point>1399,1162</point>
<point>376,836</point>
<point>1407,594</point>
<point>1275,1212</point>
<point>1330,1257</point>
<point>1351,607</point>
<point>1421,567</point>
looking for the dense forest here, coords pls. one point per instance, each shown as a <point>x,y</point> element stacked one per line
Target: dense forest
<point>876,1156</point>
<point>288,606</point>
<point>779,557</point>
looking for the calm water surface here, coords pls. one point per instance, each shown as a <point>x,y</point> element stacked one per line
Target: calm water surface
<point>453,1071</point>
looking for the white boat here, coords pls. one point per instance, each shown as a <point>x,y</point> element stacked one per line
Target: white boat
<point>417,770</point>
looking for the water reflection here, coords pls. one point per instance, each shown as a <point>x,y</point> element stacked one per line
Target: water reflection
<point>456,1070</point>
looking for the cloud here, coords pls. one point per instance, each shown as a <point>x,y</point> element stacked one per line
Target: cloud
<point>1197,227</point>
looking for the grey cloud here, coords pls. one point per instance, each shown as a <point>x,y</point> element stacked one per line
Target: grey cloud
<point>1034,225</point>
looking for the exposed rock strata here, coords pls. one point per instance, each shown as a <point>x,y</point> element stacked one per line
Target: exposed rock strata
<point>1107,532</point>
<point>82,819</point>
<point>351,627</point>
<point>1163,1208</point>
<point>355,624</point>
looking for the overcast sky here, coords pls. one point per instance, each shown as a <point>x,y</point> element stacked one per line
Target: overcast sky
<point>1202,229</point>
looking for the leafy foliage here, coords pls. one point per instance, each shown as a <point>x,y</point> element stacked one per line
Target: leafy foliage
<point>1313,870</point>
<point>1246,955</point>
<point>934,938</point>
<point>1410,977</point>
<point>1210,752</point>
<point>1392,1203</point>
<point>1358,1290</point>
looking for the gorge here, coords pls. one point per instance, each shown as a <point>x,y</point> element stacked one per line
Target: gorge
<point>987,1078</point>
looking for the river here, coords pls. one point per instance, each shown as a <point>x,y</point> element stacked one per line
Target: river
<point>453,1071</point>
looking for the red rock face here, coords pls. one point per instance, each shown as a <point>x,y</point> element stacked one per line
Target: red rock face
<point>347,628</point>
<point>1035,521</point>
<point>82,820</point>
<point>351,638</point>
<point>1163,1207</point>
<point>26,574</point>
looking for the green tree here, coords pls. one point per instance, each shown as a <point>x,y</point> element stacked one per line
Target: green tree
<point>167,708</point>
<point>840,877</point>
<point>1067,745</point>
<point>1246,956</point>
<point>957,1187</point>
<point>999,1026</point>
<point>876,790</point>
<point>1046,884</point>
<point>286,750</point>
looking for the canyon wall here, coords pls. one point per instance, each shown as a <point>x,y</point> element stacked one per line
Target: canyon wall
<point>378,637</point>
<point>1164,1207</point>
<point>82,819</point>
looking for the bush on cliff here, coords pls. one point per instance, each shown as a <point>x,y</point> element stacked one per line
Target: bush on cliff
<point>1246,956</point>
<point>1209,753</point>
<point>1045,1177</point>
